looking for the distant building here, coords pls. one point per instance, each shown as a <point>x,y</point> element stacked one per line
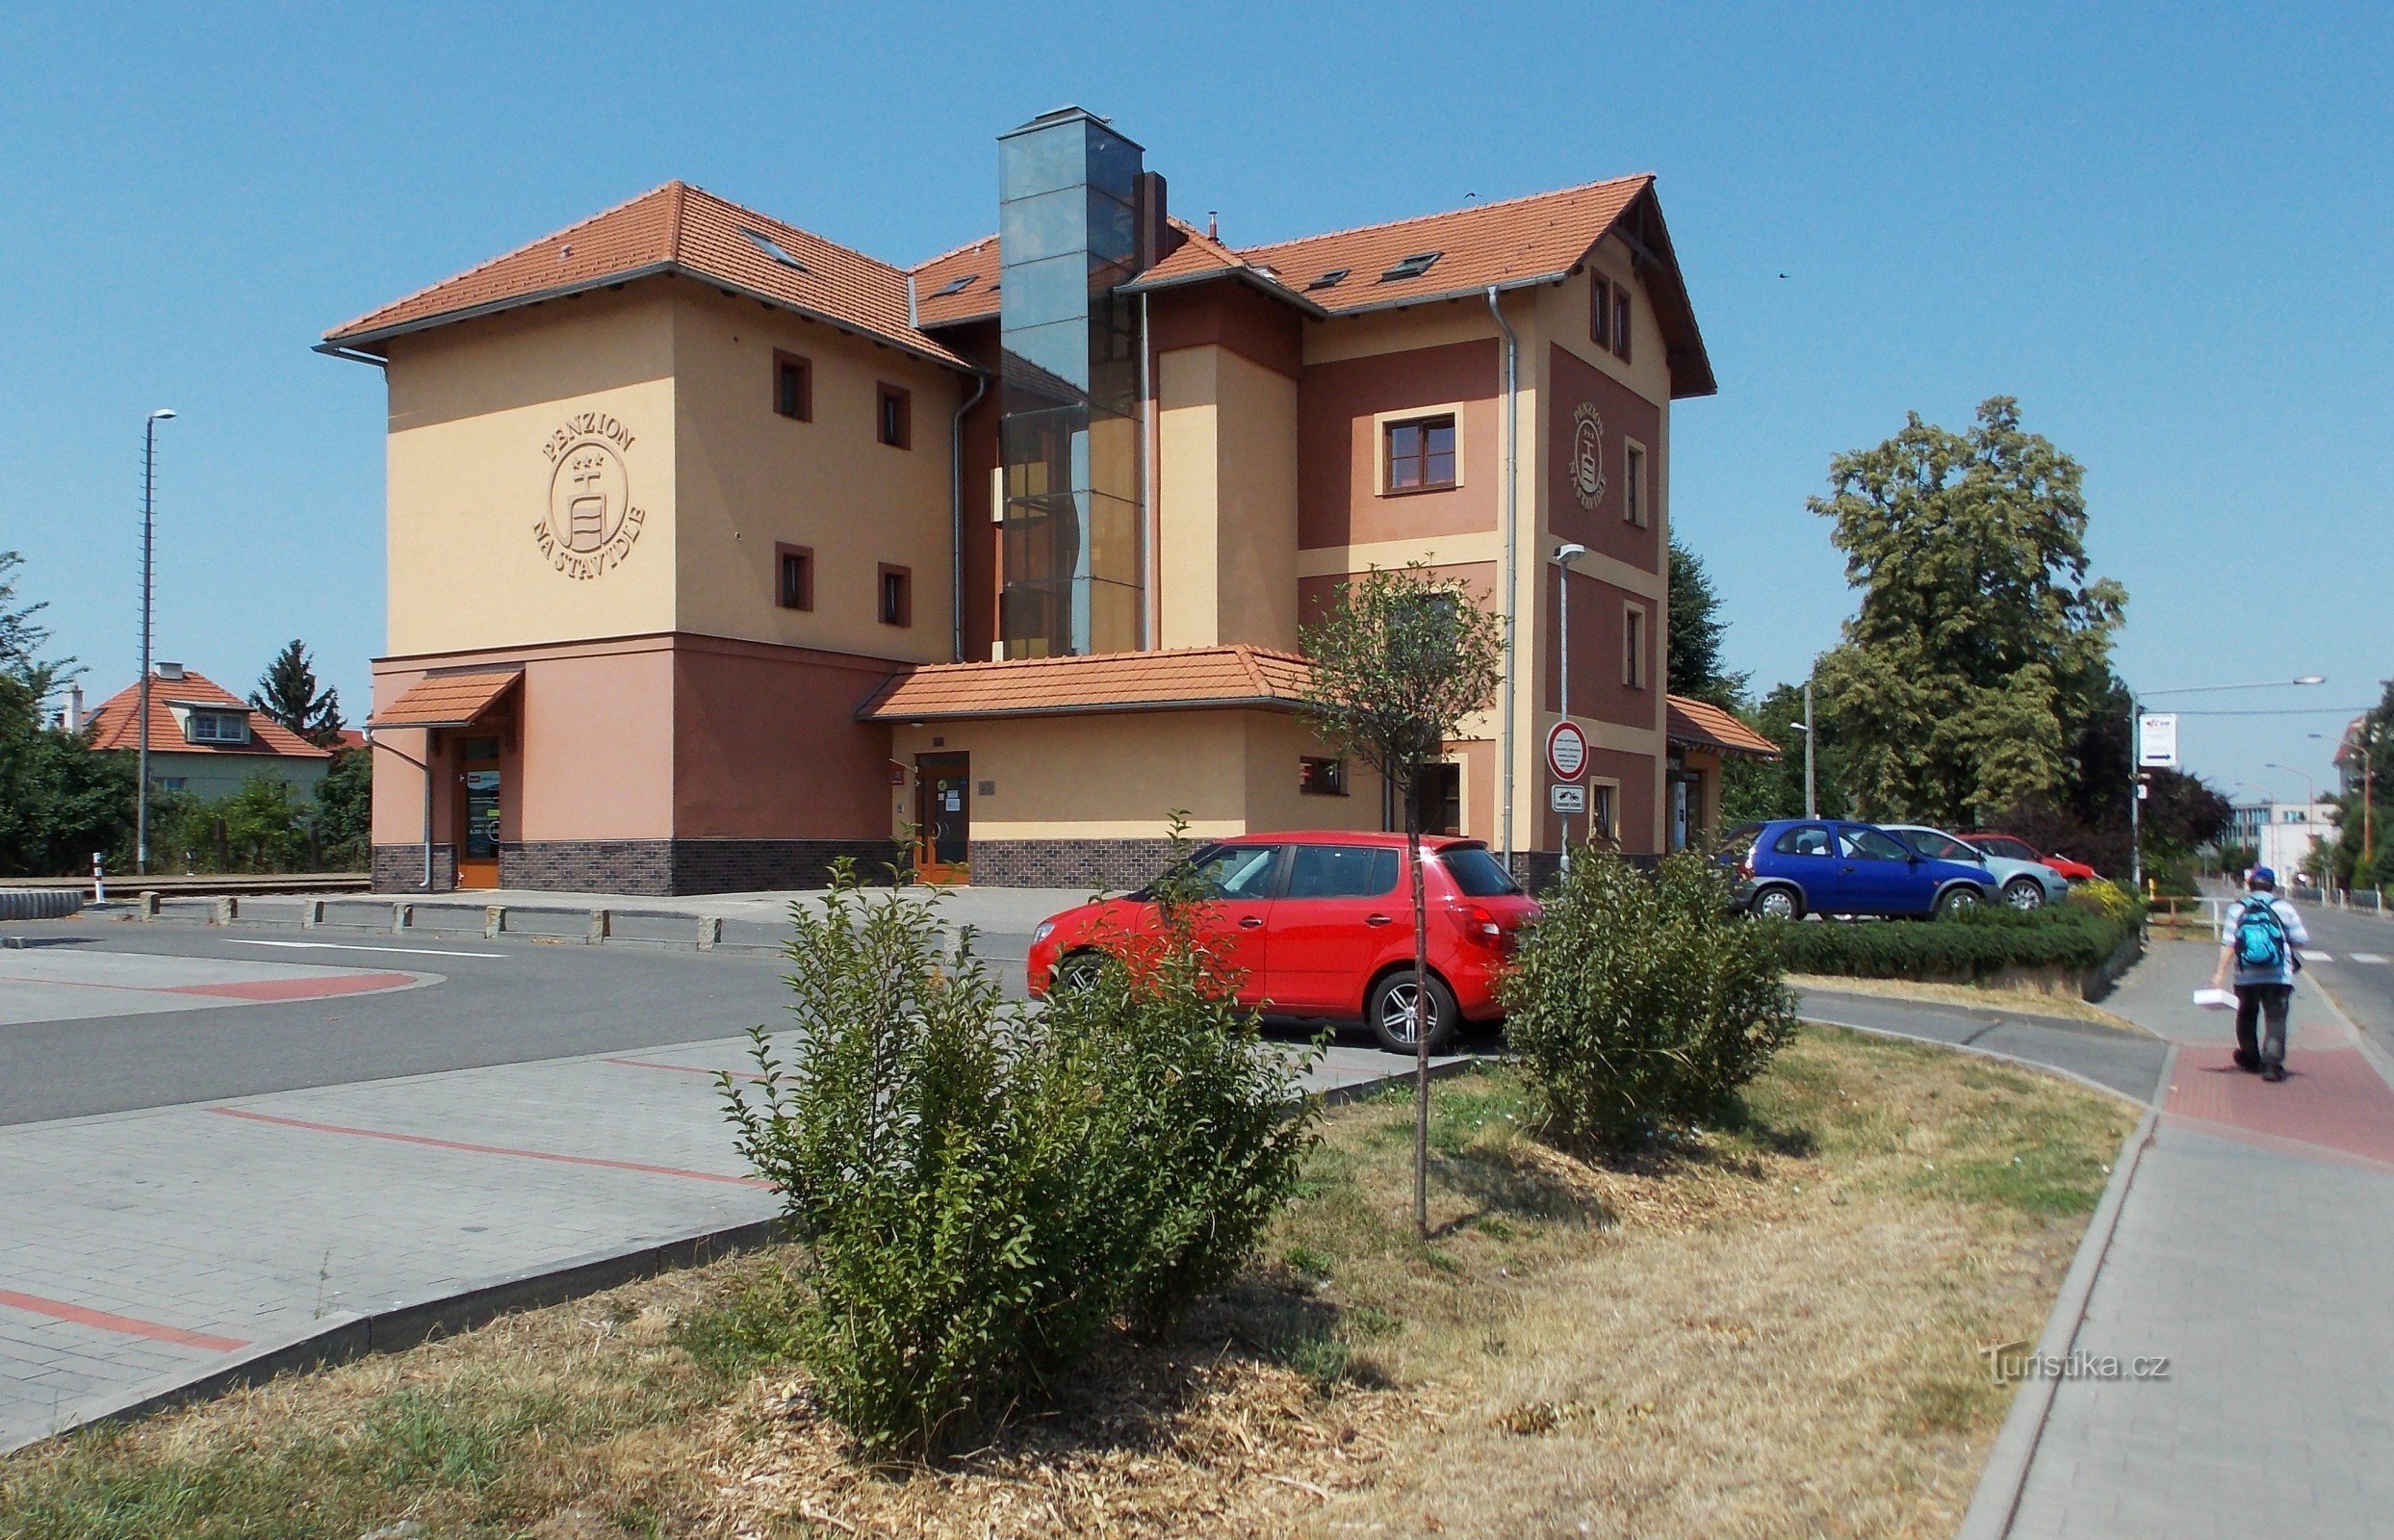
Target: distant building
<point>2283,831</point>
<point>2348,759</point>
<point>203,739</point>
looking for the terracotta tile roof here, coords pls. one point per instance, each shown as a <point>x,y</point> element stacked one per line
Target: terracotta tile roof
<point>1182,679</point>
<point>116,723</point>
<point>977,300</point>
<point>1707,727</point>
<point>447,700</point>
<point>674,229</point>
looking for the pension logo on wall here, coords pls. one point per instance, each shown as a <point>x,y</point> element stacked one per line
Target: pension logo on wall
<point>591,522</point>
<point>1588,455</point>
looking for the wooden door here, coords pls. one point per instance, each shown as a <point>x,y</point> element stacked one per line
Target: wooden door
<point>942,818</point>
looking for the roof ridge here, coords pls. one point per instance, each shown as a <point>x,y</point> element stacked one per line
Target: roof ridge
<point>895,271</point>
<point>952,251</point>
<point>1443,214</point>
<point>510,254</point>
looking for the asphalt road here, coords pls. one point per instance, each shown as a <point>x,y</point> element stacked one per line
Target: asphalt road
<point>2363,987</point>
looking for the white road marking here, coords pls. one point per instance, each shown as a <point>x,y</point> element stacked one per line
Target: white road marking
<point>2362,957</point>
<point>2309,956</point>
<point>351,946</point>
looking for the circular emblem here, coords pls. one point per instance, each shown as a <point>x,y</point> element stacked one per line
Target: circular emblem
<point>588,496</point>
<point>1588,455</point>
<point>1566,751</point>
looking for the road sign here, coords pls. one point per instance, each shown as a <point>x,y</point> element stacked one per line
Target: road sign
<point>2156,740</point>
<point>1566,751</point>
<point>1567,797</point>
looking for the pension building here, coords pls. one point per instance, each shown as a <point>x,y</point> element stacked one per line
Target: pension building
<point>718,551</point>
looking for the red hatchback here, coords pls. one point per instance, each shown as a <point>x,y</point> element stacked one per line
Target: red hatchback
<point>2018,849</point>
<point>1321,926</point>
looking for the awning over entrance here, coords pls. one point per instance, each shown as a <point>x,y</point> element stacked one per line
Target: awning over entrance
<point>1181,678</point>
<point>1700,725</point>
<point>447,699</point>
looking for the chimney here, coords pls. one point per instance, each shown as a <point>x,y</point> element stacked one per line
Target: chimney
<point>74,708</point>
<point>165,669</point>
<point>1213,224</point>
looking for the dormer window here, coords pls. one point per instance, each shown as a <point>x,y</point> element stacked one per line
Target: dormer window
<point>772,248</point>
<point>954,285</point>
<point>1412,266</point>
<point>1329,279</point>
<point>215,727</point>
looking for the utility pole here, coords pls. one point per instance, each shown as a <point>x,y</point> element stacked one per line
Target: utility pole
<point>149,498</point>
<point>1811,799</point>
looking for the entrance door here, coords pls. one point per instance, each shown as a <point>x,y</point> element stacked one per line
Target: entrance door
<point>943,818</point>
<point>477,813</point>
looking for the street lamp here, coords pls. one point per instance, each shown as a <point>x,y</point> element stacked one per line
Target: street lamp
<point>149,498</point>
<point>1564,556</point>
<point>2136,757</point>
<point>1805,727</point>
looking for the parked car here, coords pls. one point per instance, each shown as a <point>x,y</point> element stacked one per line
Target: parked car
<point>1321,926</point>
<point>1791,867</point>
<point>2025,885</point>
<point>1996,843</point>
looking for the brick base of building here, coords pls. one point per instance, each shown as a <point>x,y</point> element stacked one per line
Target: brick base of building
<point>646,868</point>
<point>1115,864</point>
<point>400,869</point>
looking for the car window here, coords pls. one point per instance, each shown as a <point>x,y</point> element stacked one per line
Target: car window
<point>1809,841</point>
<point>1871,844</point>
<point>1342,871</point>
<point>2006,845</point>
<point>1939,847</point>
<point>1741,835</point>
<point>1477,874</point>
<point>1237,871</point>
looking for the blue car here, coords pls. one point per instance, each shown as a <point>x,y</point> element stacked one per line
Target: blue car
<point>1792,867</point>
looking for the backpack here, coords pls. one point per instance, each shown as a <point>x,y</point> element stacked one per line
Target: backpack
<point>2260,936</point>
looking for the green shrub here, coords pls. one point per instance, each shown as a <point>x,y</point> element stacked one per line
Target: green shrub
<point>984,1189</point>
<point>2080,933</point>
<point>1640,1002</point>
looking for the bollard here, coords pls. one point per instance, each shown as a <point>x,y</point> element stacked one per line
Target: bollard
<point>494,921</point>
<point>150,903</point>
<point>601,926</point>
<point>709,931</point>
<point>228,910</point>
<point>402,915</point>
<point>310,914</point>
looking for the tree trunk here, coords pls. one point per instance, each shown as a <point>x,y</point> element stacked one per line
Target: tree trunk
<point>1420,1021</point>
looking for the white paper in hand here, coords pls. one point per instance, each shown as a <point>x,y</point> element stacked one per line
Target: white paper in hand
<point>2215,999</point>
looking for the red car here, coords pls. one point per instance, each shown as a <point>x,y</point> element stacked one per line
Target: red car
<point>1320,924</point>
<point>2016,848</point>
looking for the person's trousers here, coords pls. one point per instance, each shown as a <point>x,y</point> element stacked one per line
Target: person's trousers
<point>2267,1002</point>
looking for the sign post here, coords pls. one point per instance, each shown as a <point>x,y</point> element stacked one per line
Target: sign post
<point>1566,757</point>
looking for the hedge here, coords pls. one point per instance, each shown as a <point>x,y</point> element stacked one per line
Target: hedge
<point>1965,946</point>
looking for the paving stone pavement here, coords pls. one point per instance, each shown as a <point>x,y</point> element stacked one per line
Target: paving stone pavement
<point>146,1249</point>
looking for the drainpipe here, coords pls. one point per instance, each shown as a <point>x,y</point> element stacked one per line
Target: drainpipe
<point>1152,571</point>
<point>1512,493</point>
<point>373,741</point>
<point>956,516</point>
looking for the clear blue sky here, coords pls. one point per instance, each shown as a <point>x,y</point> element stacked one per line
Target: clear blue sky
<point>2164,229</point>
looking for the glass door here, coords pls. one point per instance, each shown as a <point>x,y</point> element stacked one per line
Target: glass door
<point>942,818</point>
<point>479,788</point>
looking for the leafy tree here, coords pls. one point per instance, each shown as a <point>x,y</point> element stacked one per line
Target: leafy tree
<point>344,810</point>
<point>1753,790</point>
<point>59,800</point>
<point>288,692</point>
<point>1979,635</point>
<point>2363,855</point>
<point>1400,658</point>
<point>1696,630</point>
<point>21,637</point>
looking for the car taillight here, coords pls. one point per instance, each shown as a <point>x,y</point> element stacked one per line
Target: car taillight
<point>1477,924</point>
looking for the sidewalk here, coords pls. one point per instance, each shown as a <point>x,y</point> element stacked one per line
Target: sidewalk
<point>2253,1249</point>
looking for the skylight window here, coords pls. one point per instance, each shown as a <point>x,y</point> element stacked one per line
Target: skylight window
<point>772,248</point>
<point>1412,266</point>
<point>1329,279</point>
<point>954,285</point>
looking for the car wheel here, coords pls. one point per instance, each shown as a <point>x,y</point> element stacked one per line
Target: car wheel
<point>1392,1016</point>
<point>1075,970</point>
<point>2024,893</point>
<point>1776,904</point>
<point>1956,901</point>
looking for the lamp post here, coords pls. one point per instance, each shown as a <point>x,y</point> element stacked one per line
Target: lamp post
<point>2310,806</point>
<point>2136,759</point>
<point>149,498</point>
<point>1564,556</point>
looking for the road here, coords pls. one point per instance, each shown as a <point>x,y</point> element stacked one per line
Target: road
<point>2352,958</point>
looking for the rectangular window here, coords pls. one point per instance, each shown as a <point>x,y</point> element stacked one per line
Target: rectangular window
<point>1600,313</point>
<point>894,419</point>
<point>1634,492</point>
<point>793,577</point>
<point>203,727</point>
<point>1634,647</point>
<point>1321,777</point>
<point>1421,455</point>
<point>1439,795</point>
<point>897,596</point>
<point>1621,324</point>
<point>793,387</point>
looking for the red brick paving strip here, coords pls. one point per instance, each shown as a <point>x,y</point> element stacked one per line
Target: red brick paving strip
<point>290,988</point>
<point>129,1326</point>
<point>487,1149</point>
<point>2332,1099</point>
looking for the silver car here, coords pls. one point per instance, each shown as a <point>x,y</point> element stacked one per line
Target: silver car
<point>2025,885</point>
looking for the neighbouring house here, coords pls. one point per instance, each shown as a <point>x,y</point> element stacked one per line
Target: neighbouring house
<point>2284,832</point>
<point>204,740</point>
<point>719,551</point>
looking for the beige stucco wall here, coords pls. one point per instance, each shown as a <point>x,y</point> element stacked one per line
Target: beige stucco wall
<point>1226,499</point>
<point>1120,774</point>
<point>748,477</point>
<point>475,411</point>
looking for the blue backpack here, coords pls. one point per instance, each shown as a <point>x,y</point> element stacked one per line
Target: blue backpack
<point>2260,936</point>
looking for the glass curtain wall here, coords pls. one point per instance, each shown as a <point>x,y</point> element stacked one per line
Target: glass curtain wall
<point>1070,550</point>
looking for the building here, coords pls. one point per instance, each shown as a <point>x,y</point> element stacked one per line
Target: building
<point>204,740</point>
<point>718,552</point>
<point>2284,832</point>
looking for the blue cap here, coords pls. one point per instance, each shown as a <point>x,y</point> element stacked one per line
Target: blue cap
<point>2261,877</point>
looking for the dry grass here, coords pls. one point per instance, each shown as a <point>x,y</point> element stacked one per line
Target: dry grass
<point>1770,1330</point>
<point>2019,1002</point>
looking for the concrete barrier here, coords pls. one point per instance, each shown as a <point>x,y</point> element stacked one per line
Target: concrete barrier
<point>39,903</point>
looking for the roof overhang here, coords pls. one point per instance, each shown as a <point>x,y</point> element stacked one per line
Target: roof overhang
<point>1247,275</point>
<point>873,711</point>
<point>447,700</point>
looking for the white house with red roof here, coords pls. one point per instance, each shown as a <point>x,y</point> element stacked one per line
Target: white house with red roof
<point>204,740</point>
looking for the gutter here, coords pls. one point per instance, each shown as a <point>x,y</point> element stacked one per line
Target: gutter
<point>956,512</point>
<point>1512,496</point>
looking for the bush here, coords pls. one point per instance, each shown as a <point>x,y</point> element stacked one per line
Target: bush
<point>2080,933</point>
<point>1640,1002</point>
<point>986,1189</point>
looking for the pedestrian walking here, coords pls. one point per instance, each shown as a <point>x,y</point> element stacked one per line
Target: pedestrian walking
<point>2259,939</point>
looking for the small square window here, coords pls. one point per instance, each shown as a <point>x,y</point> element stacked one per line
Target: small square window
<point>1421,455</point>
<point>1634,492</point>
<point>894,417</point>
<point>1600,313</point>
<point>897,596</point>
<point>1321,777</point>
<point>1621,322</point>
<point>793,387</point>
<point>793,577</point>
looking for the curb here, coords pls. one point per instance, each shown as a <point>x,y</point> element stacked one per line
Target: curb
<point>1996,1502</point>
<point>2087,1083</point>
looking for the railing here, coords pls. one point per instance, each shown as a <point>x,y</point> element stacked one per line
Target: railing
<point>2180,918</point>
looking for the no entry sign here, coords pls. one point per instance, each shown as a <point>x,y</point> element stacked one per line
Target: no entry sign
<point>1566,751</point>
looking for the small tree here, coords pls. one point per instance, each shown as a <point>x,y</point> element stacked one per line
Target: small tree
<point>1400,658</point>
<point>288,692</point>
